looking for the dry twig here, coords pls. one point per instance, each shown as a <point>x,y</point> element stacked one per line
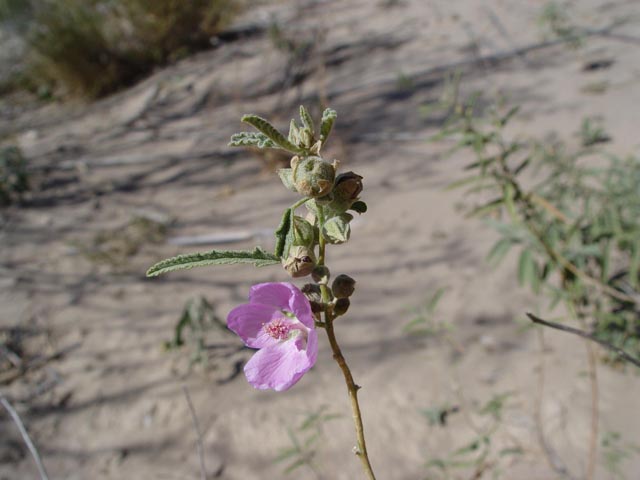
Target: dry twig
<point>25,436</point>
<point>618,351</point>
<point>196,426</point>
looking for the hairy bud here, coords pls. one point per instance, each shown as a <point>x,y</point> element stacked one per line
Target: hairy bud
<point>300,261</point>
<point>312,176</point>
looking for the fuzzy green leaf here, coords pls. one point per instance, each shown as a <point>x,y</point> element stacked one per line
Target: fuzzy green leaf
<point>257,257</point>
<point>328,119</point>
<point>293,131</point>
<point>251,139</point>
<point>306,119</point>
<point>284,234</point>
<point>286,175</point>
<point>270,131</point>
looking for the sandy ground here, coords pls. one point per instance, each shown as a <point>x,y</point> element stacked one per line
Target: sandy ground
<point>113,407</point>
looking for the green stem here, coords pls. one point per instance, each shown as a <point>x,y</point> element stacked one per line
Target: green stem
<point>299,203</point>
<point>352,387</point>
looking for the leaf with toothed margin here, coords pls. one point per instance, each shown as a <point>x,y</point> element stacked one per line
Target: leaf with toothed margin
<point>270,131</point>
<point>257,257</point>
<point>251,139</point>
<point>328,118</point>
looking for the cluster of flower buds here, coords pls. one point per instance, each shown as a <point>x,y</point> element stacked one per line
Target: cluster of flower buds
<point>342,288</point>
<point>327,195</point>
<point>316,179</point>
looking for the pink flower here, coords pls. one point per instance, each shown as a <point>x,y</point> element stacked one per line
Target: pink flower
<point>277,321</point>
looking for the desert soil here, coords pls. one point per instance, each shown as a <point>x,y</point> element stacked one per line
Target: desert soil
<point>112,404</point>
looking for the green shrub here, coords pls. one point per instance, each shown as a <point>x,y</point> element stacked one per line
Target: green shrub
<point>574,216</point>
<point>93,47</point>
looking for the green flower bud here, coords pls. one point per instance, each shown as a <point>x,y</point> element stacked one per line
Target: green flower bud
<point>312,176</point>
<point>303,232</point>
<point>300,261</point>
<point>336,229</point>
<point>348,186</point>
<point>341,306</point>
<point>321,274</point>
<point>343,286</point>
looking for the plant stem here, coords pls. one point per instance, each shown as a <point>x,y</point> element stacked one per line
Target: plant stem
<point>353,396</point>
<point>352,388</point>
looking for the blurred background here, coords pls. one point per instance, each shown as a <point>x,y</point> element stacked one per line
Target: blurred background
<point>499,148</point>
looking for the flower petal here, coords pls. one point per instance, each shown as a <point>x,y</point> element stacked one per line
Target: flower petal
<point>247,321</point>
<point>280,366</point>
<point>275,294</point>
<point>299,305</point>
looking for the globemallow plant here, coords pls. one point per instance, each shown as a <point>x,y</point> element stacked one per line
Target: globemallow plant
<point>280,320</point>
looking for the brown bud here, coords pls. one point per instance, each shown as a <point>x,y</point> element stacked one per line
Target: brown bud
<point>300,261</point>
<point>343,286</point>
<point>312,292</point>
<point>341,306</point>
<point>321,274</point>
<point>348,186</point>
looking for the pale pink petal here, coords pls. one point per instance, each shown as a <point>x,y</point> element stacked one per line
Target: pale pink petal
<point>284,296</point>
<point>247,321</point>
<point>280,366</point>
<point>300,307</point>
<point>275,294</point>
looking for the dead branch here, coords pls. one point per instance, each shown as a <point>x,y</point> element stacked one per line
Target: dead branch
<point>618,351</point>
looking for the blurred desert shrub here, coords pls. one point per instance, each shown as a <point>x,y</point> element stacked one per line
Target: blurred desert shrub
<point>572,212</point>
<point>93,47</point>
<point>14,180</point>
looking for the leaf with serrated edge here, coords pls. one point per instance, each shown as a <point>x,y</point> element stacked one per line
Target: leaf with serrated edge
<point>270,131</point>
<point>258,257</point>
<point>328,118</point>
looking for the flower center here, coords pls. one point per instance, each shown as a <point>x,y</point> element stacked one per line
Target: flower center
<point>277,329</point>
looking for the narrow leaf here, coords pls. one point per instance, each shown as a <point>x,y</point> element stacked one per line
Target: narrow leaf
<point>251,139</point>
<point>486,208</point>
<point>284,233</point>
<point>526,268</point>
<point>293,131</point>
<point>306,119</point>
<point>465,181</point>
<point>504,120</point>
<point>328,119</point>
<point>498,251</point>
<point>257,257</point>
<point>270,131</point>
